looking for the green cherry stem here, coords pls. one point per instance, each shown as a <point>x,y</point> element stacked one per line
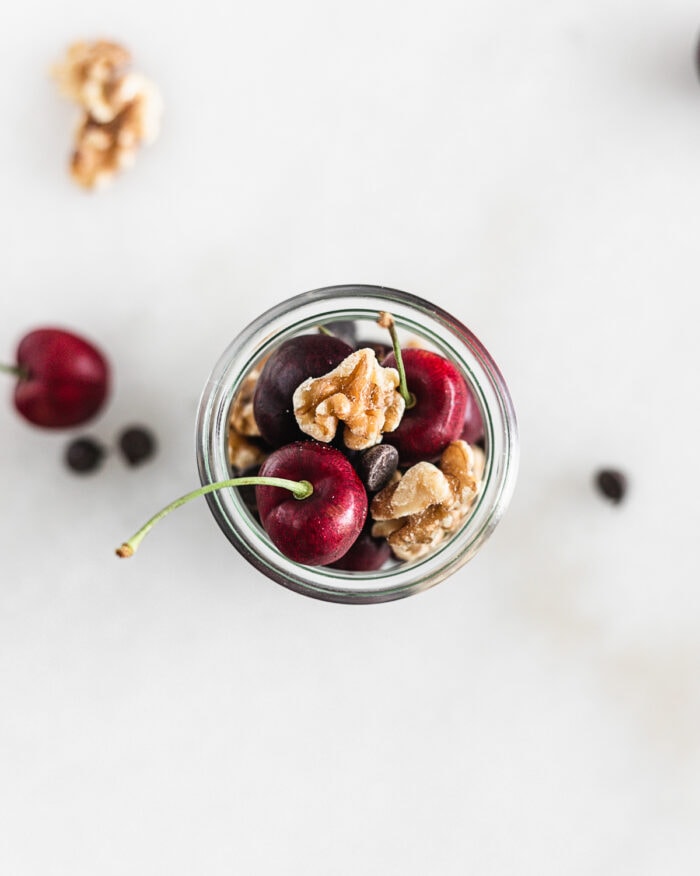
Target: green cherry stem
<point>15,370</point>
<point>386,320</point>
<point>300,490</point>
<point>322,330</point>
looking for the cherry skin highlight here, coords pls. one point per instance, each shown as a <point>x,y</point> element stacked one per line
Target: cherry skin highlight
<point>321,528</point>
<point>437,416</point>
<point>63,380</point>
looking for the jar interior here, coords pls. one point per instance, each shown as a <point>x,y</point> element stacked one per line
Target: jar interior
<point>367,332</point>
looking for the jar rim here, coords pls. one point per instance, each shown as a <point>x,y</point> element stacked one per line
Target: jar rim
<point>412,314</point>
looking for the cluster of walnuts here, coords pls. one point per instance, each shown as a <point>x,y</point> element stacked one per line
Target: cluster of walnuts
<point>120,109</point>
<point>429,502</point>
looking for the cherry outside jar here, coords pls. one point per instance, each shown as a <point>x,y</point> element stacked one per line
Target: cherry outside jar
<point>418,320</point>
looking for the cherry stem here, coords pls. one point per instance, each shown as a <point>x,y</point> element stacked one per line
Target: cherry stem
<point>300,490</point>
<point>324,331</point>
<point>15,370</point>
<point>386,320</point>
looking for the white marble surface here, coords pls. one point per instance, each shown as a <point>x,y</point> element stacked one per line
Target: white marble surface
<point>536,169</point>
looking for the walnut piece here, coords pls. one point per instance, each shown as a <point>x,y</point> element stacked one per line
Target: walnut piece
<point>463,466</point>
<point>360,393</point>
<point>242,452</point>
<point>91,74</point>
<point>120,109</point>
<point>429,502</point>
<point>242,418</point>
<point>422,485</point>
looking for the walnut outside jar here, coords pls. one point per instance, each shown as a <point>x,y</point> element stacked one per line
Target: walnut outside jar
<point>418,321</point>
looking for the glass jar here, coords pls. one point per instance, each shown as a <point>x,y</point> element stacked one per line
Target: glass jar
<point>415,318</point>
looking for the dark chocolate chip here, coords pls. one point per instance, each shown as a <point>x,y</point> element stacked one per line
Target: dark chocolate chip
<point>84,455</point>
<point>612,484</point>
<point>137,444</point>
<point>376,465</point>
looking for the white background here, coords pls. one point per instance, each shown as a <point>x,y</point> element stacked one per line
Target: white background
<point>532,167</point>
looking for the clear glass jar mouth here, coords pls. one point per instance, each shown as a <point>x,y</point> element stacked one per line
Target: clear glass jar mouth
<point>415,316</point>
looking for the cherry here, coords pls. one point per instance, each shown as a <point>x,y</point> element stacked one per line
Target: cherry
<point>473,428</point>
<point>292,362</point>
<point>63,380</point>
<point>315,531</point>
<point>437,415</point>
<point>367,554</point>
<point>300,490</point>
<point>322,528</point>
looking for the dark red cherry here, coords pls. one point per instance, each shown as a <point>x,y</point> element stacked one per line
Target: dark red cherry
<point>62,379</point>
<point>321,528</point>
<point>367,554</point>
<point>473,428</point>
<point>440,403</point>
<point>292,362</point>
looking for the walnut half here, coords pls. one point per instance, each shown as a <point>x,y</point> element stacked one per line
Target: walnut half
<point>120,109</point>
<point>360,393</point>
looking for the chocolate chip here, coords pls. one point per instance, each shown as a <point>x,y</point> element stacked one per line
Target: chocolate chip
<point>137,444</point>
<point>84,455</point>
<point>376,465</point>
<point>612,484</point>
